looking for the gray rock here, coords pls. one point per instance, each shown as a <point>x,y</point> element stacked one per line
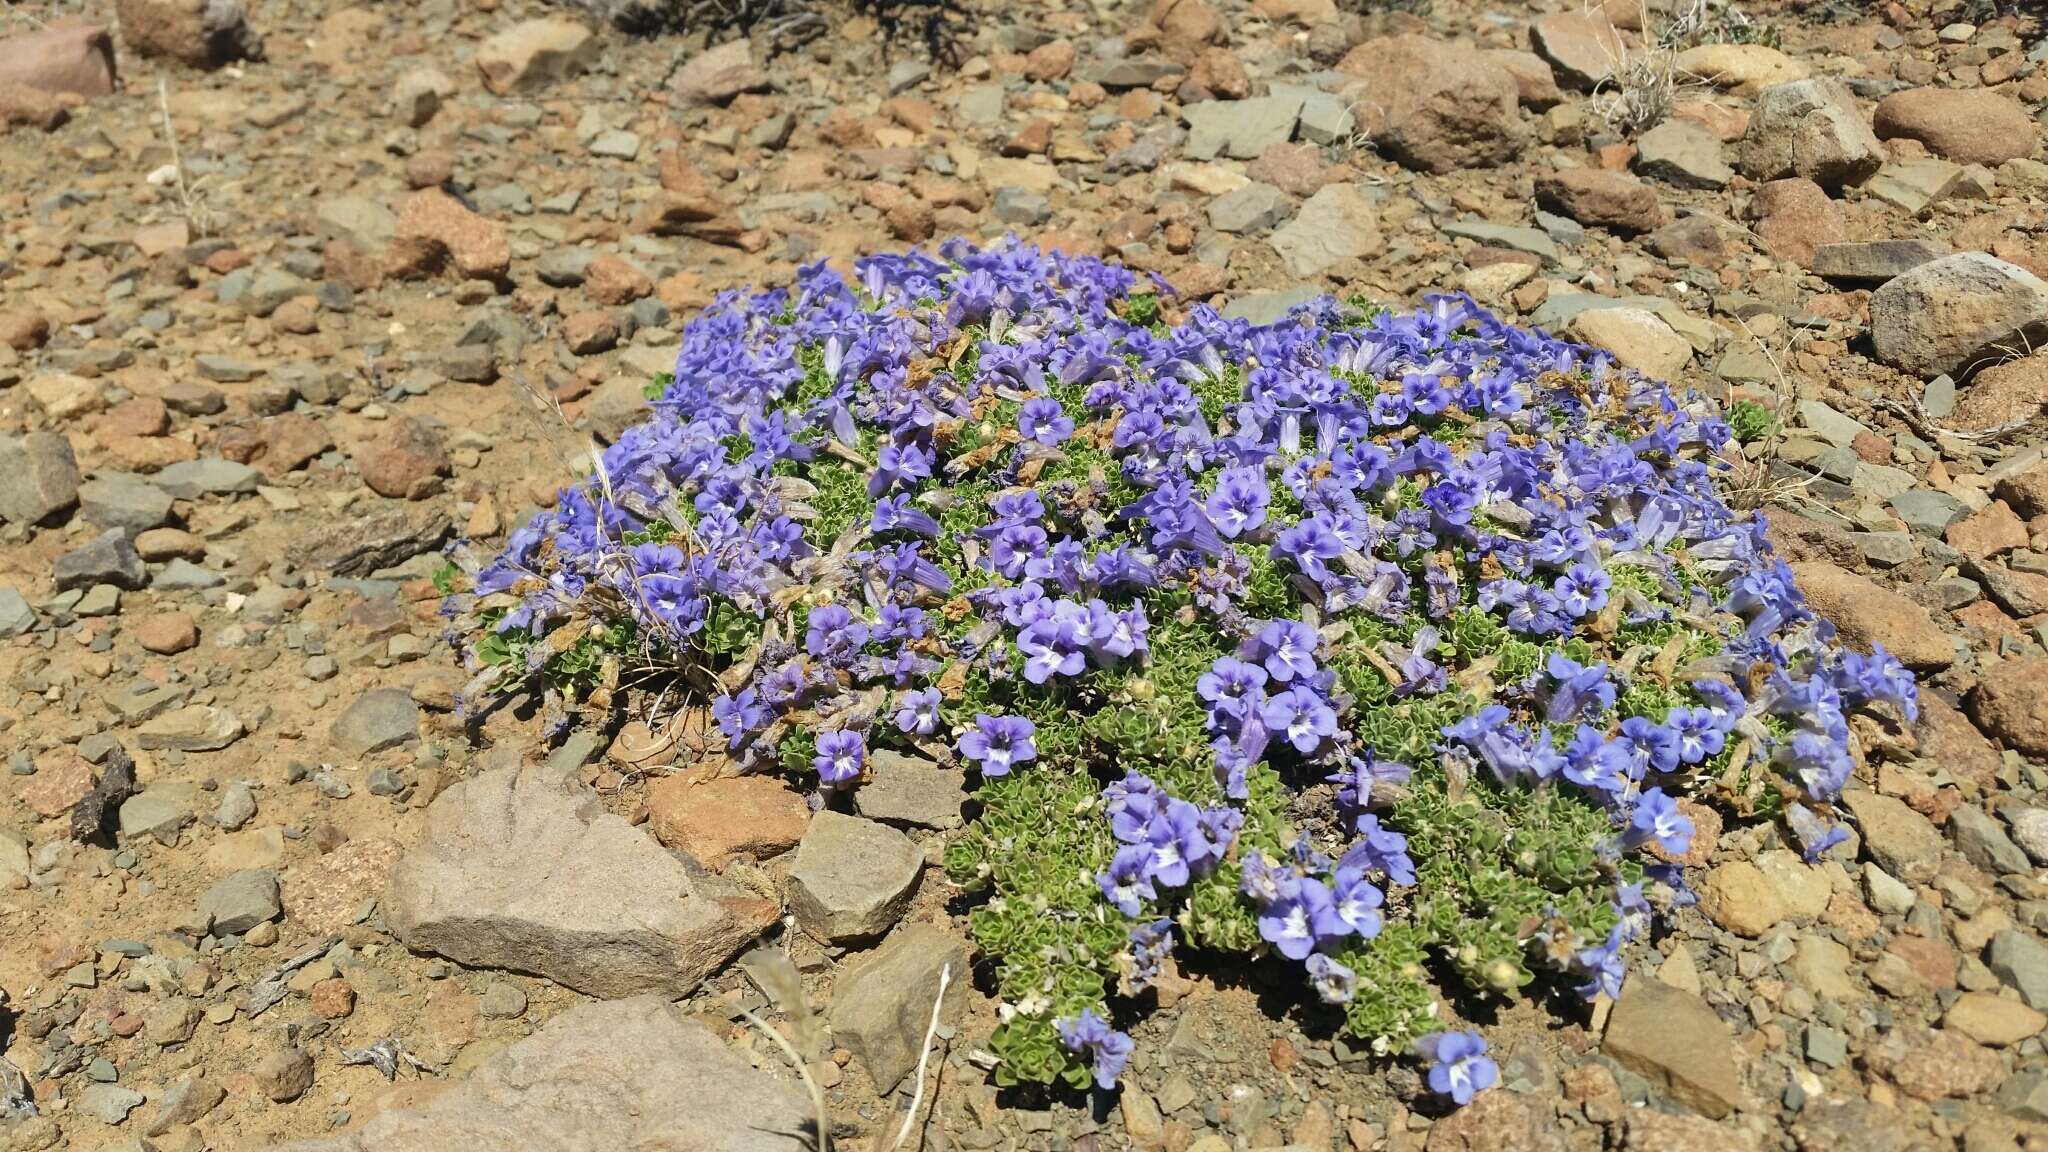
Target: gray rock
<point>1024,207</point>
<point>616,144</point>
<point>1811,128</point>
<point>1336,225</point>
<point>1128,72</point>
<point>1240,129</point>
<point>194,728</point>
<point>1928,512</point>
<point>1252,208</point>
<point>1262,308</point>
<point>284,1075</point>
<point>2022,963</point>
<point>1875,260</point>
<point>513,872</point>
<point>1835,428</point>
<point>108,558</point>
<point>361,218</point>
<point>224,369</point>
<point>2026,1095</point>
<point>125,501</point>
<point>237,807</point>
<point>629,1074</point>
<point>1325,118</point>
<point>241,902</point>
<point>502,1001</point>
<point>16,617</point>
<point>1901,840</point>
<point>912,791</point>
<point>1984,843</point>
<point>185,1102</point>
<point>379,719</point>
<point>882,1005</point>
<point>38,477</point>
<point>1914,186</point>
<point>1685,153</point>
<point>159,811</point>
<point>207,476</point>
<point>907,73</point>
<point>564,267</point>
<point>2029,828</point>
<point>109,1103</point>
<point>851,878</point>
<point>1534,241</point>
<point>1953,314</point>
<point>181,575</point>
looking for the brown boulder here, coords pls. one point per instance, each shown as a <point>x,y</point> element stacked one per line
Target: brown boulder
<point>715,821</point>
<point>1614,200</point>
<point>716,75</point>
<point>435,230</point>
<point>2026,490</point>
<point>403,460</point>
<point>1434,105</point>
<point>1498,1121</point>
<point>1794,218</point>
<point>23,106</point>
<point>1584,48</point>
<point>2010,703</point>
<point>2003,395</point>
<point>1185,26</point>
<point>1535,83</point>
<point>535,53</point>
<point>196,33</point>
<point>1966,125</point>
<point>1866,613</point>
<point>74,58</point>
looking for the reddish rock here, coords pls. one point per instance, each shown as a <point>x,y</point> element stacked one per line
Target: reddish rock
<point>1794,218</point>
<point>2027,491</point>
<point>2003,395</point>
<point>535,53</point>
<point>24,331</point>
<point>1296,169</point>
<point>716,75</point>
<point>1934,1064</point>
<point>1988,532</point>
<point>333,998</point>
<point>1031,140</point>
<point>1535,84</point>
<point>715,821</point>
<point>22,106</point>
<point>55,787</point>
<point>1218,72</point>
<point>74,58</point>
<point>167,633</point>
<point>1498,1121</point>
<point>147,453</point>
<point>1947,738</point>
<point>292,440</point>
<point>2010,703</point>
<point>1185,26</point>
<point>1049,61</point>
<point>196,33</point>
<point>325,894</point>
<point>1434,105</point>
<point>1966,125</point>
<point>1727,124</point>
<point>1868,613</point>
<point>590,332</point>
<point>1599,197</point>
<point>435,230</point>
<point>611,280</point>
<point>136,416</point>
<point>403,459</point>
<point>1933,962</point>
<point>1584,49</point>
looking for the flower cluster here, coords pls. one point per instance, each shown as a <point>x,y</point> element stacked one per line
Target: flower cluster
<point>1365,640</point>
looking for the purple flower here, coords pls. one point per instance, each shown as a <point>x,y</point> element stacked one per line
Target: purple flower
<point>841,755</point>
<point>1239,503</point>
<point>1042,419</point>
<point>1656,818</point>
<point>918,712</point>
<point>832,634</point>
<point>1287,648</point>
<point>1333,982</point>
<point>738,715</point>
<point>1458,1065</point>
<point>1302,716</point>
<point>1108,1050</point>
<point>999,743</point>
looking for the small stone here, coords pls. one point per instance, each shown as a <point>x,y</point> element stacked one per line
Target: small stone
<point>379,719</point>
<point>167,633</point>
<point>2022,963</point>
<point>1683,153</point>
<point>1811,129</point>
<point>1637,337</point>
<point>882,1006</point>
<point>1738,897</point>
<point>502,1001</point>
<point>1935,1064</point>
<point>1989,1018</point>
<point>240,902</point>
<point>1944,315</point>
<point>333,998</point>
<point>717,75</point>
<point>109,1103</point>
<point>1867,614</point>
<point>1875,261</point>
<point>1250,209</point>
<point>851,878</point>
<point>715,821</point>
<point>284,1075</point>
<point>108,558</point>
<point>535,53</point>
<point>1673,1039</point>
<point>38,477</point>
<point>1336,225</point>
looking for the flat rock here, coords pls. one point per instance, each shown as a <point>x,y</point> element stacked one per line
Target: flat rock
<point>1599,197</point>
<point>1252,208</point>
<point>16,617</point>
<point>1875,261</point>
<point>1336,225</point>
<point>632,1073</point>
<point>1684,153</point>
<point>1638,338</point>
<point>513,872</point>
<point>882,1005</point>
<point>1744,69</point>
<point>379,719</point>
<point>912,792</point>
<point>1583,48</point>
<point>109,558</point>
<point>1901,840</point>
<point>326,894</point>
<point>535,53</point>
<point>195,728</point>
<point>716,821</point>
<point>124,501</point>
<point>1956,313</point>
<point>1239,129</point>
<point>1989,1018</point>
<point>1935,1064</point>
<point>716,75</point>
<point>1675,1041</point>
<point>207,476</point>
<point>851,878</point>
<point>1866,613</point>
<point>241,902</point>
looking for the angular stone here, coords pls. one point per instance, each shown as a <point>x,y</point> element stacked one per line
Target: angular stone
<point>2022,963</point>
<point>1675,1041</point>
<point>435,230</point>
<point>882,1005</point>
<point>241,902</point>
<point>2010,703</point>
<point>1989,1018</point>
<point>196,33</point>
<point>1582,47</point>
<point>1741,68</point>
<point>66,57</point>
<point>16,617</point>
<point>1240,129</point>
<point>1638,338</point>
<point>1795,217</point>
<point>715,821</point>
<point>629,1074</point>
<point>1935,1064</point>
<point>1875,261</point>
<point>718,74</point>
<point>1685,153</point>
<point>327,893</point>
<point>1810,128</point>
<point>1336,225</point>
<point>1984,843</point>
<point>196,728</point>
<point>1252,208</point>
<point>38,477</point>
<point>851,878</point>
<point>1913,186</point>
<point>123,501</point>
<point>1898,838</point>
<point>1605,199</point>
<point>109,1103</point>
<point>912,792</point>
<point>1954,314</point>
<point>108,558</point>
<point>512,872</point>
<point>1533,241</point>
<point>535,53</point>
<point>207,476</point>
<point>1435,105</point>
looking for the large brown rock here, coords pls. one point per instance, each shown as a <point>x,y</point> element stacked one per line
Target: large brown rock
<point>535,53</point>
<point>1810,128</point>
<point>1967,125</point>
<point>196,33</point>
<point>2003,395</point>
<point>435,231</point>
<point>1582,47</point>
<point>1866,613</point>
<point>1498,1121</point>
<point>512,871</point>
<point>1599,197</point>
<point>716,75</point>
<point>403,459</point>
<point>73,58</point>
<point>1958,314</point>
<point>715,821</point>
<point>23,106</point>
<point>2010,703</point>
<point>1434,105</point>
<point>600,1077</point>
<point>1675,1041</point>
<point>1935,1064</point>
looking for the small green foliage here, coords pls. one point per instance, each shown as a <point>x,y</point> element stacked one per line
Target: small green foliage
<point>445,578</point>
<point>1750,421</point>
